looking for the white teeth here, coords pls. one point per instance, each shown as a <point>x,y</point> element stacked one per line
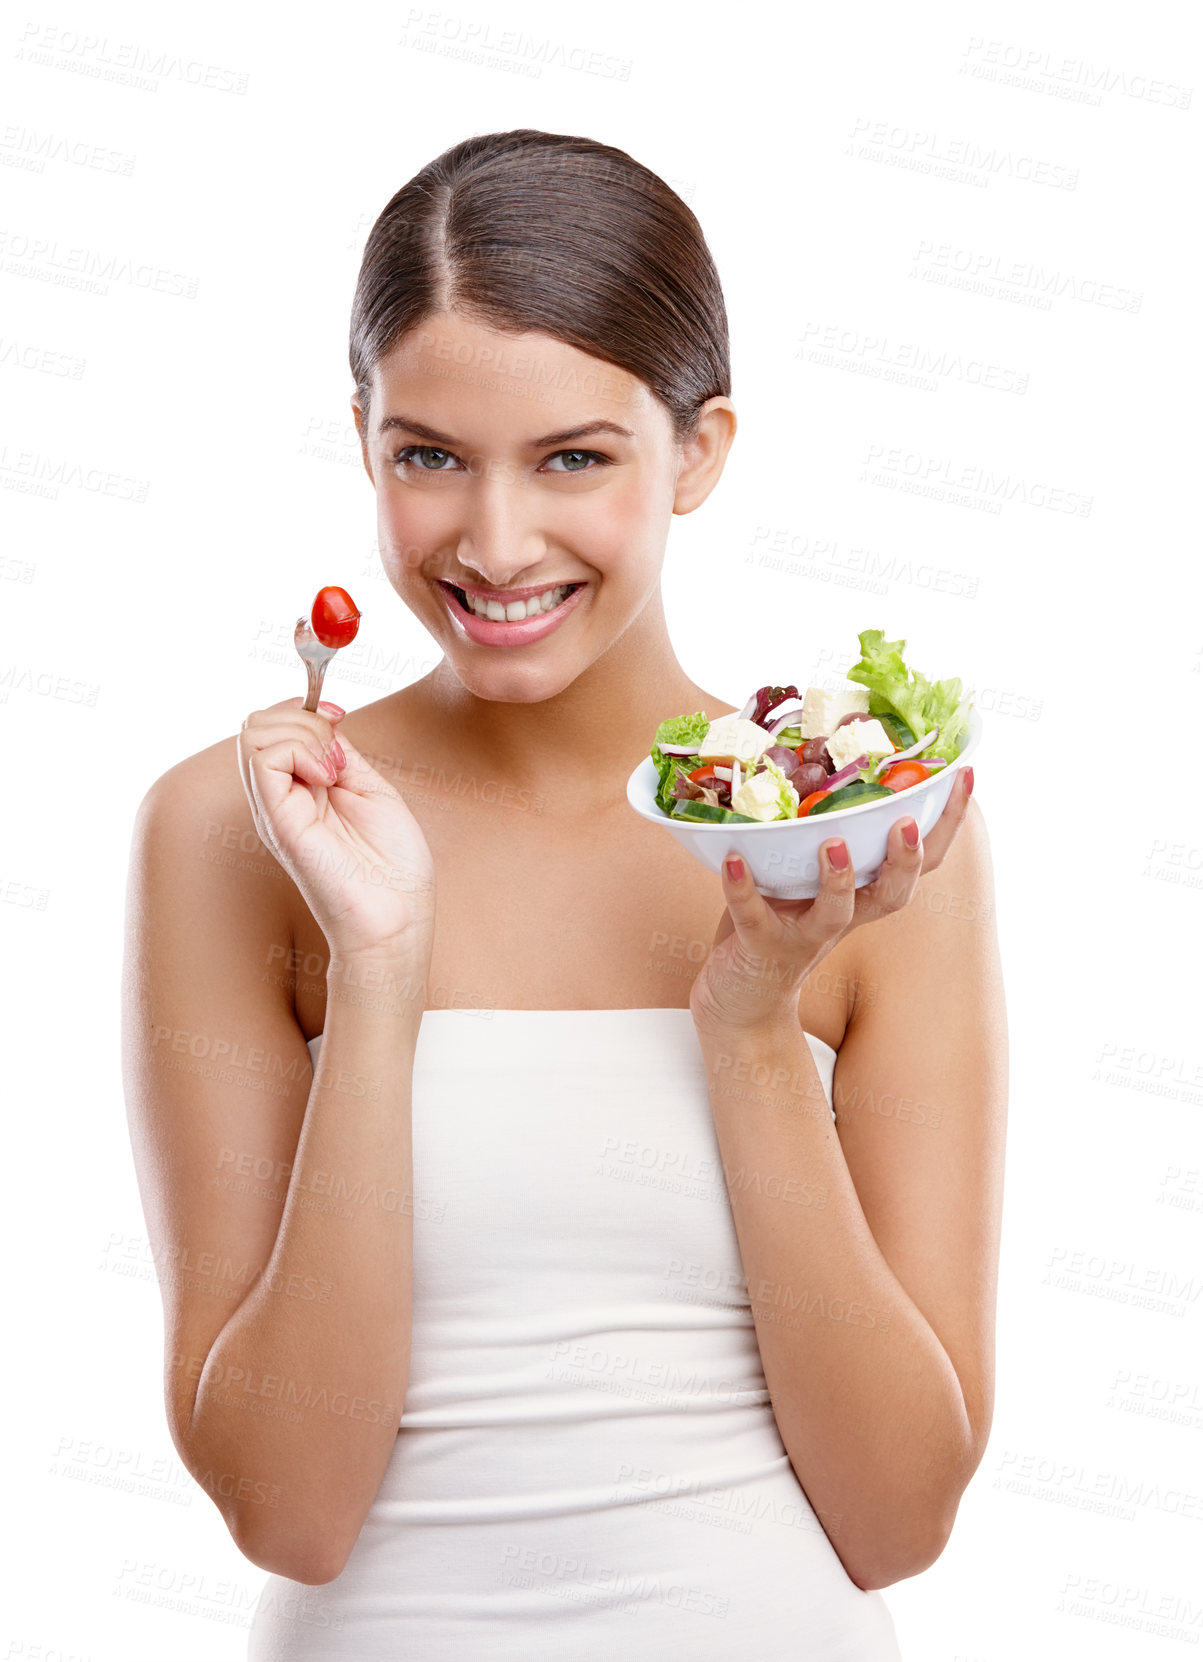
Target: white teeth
<point>516,610</point>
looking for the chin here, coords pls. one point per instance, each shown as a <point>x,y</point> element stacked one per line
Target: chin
<point>510,684</point>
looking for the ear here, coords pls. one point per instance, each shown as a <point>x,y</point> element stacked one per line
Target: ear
<point>704,454</point>
<point>361,427</point>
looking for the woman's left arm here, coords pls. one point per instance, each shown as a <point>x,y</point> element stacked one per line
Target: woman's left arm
<point>870,1245</point>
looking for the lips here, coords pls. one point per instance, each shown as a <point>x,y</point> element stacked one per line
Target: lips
<point>506,597</point>
<point>489,632</point>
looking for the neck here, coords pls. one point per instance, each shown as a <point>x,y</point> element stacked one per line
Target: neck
<point>597,728</point>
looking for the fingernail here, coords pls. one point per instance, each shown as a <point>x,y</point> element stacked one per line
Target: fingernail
<point>967,780</point>
<point>837,856</point>
<point>339,754</point>
<point>334,709</point>
<point>910,833</point>
<point>735,868</point>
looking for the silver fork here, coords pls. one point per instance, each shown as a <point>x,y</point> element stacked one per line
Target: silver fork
<point>315,657</point>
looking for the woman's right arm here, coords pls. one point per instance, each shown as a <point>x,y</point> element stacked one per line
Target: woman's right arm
<point>279,1209</point>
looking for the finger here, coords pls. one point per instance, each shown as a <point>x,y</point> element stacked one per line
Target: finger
<point>334,713</point>
<point>275,770</point>
<point>831,911</point>
<point>901,869</point>
<point>289,712</point>
<point>325,705</point>
<point>746,907</point>
<point>268,735</point>
<point>939,838</point>
<point>355,773</point>
<point>280,720</point>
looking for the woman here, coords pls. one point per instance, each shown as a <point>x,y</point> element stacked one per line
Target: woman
<point>554,1313</point>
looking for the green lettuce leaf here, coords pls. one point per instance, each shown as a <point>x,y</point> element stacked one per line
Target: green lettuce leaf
<point>676,730</point>
<point>920,703</point>
<point>680,730</point>
<point>669,767</point>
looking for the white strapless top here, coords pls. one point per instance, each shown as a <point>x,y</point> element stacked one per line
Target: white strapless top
<point>587,1465</point>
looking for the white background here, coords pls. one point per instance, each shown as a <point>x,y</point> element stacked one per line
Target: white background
<point>180,477</point>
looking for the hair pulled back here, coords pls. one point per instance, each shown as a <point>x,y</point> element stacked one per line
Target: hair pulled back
<point>529,230</point>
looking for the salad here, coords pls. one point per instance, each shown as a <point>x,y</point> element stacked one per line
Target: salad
<point>788,756</point>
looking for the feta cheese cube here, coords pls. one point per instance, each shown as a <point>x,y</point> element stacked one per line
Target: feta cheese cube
<point>821,710</point>
<point>760,797</point>
<point>857,738</point>
<point>732,739</point>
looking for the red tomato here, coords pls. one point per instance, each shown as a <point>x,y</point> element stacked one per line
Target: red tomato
<point>903,774</point>
<point>706,771</point>
<point>808,802</point>
<point>335,617</point>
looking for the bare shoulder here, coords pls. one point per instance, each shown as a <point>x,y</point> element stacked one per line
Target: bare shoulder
<point>206,793</point>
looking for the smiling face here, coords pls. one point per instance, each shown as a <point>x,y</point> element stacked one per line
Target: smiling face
<point>515,468</point>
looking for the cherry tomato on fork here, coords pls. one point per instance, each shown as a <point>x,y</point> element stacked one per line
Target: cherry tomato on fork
<point>334,618</point>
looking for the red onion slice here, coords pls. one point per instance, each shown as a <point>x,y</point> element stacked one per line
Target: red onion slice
<point>721,772</point>
<point>793,709</point>
<point>847,772</point>
<point>678,749</point>
<point>904,755</point>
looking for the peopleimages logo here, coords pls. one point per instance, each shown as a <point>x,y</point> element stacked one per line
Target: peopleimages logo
<point>474,39</point>
<point>125,62</point>
<point>28,149</point>
<point>913,363</point>
<point>945,479</point>
<point>43,259</point>
<point>1020,282</point>
<point>1076,79</point>
<point>964,160</point>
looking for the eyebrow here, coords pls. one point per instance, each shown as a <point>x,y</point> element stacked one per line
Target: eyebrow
<point>444,442</point>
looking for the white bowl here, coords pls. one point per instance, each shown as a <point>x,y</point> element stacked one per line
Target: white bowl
<point>783,855</point>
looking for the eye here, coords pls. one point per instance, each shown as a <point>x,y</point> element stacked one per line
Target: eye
<point>577,461</point>
<point>429,454</point>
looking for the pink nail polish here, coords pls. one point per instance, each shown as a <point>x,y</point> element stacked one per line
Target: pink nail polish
<point>967,780</point>
<point>837,854</point>
<point>910,834</point>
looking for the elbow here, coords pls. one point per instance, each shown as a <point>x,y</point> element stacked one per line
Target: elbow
<point>910,1552</point>
<point>895,1567</point>
<point>899,1560</point>
<point>277,1538</point>
<point>314,1557</point>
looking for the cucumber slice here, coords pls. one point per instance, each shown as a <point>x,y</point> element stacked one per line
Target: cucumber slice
<point>898,730</point>
<point>709,813</point>
<point>849,796</point>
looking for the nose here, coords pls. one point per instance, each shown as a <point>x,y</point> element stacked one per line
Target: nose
<point>499,538</point>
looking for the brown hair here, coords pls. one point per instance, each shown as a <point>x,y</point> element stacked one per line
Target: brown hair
<point>528,230</point>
